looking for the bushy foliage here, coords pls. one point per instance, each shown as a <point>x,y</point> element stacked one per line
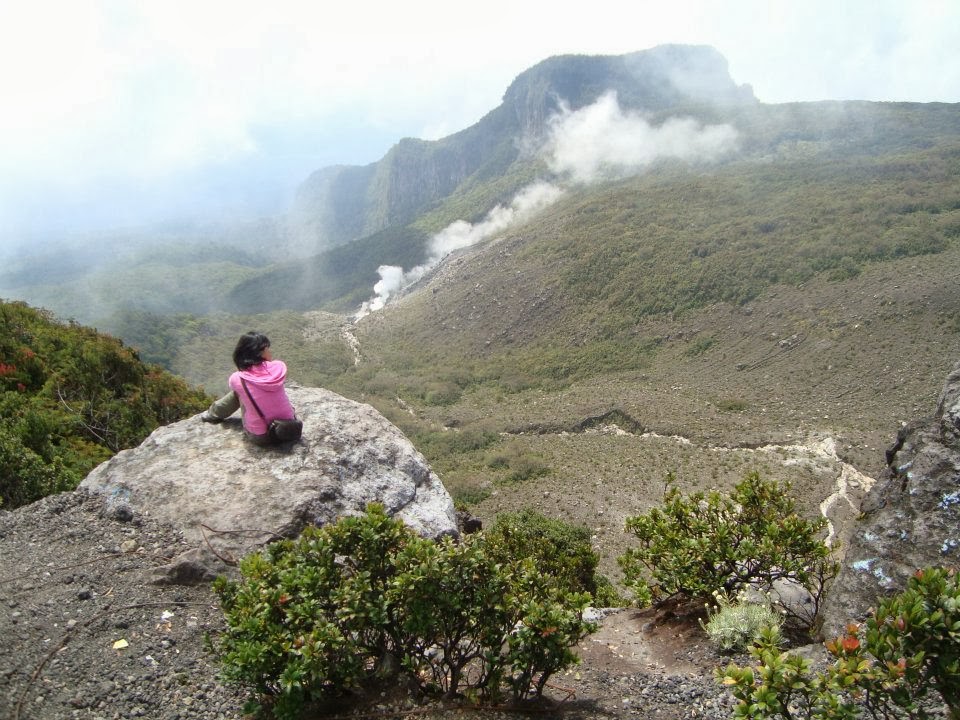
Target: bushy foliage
<point>735,626</point>
<point>706,543</point>
<point>513,463</point>
<point>560,550</point>
<point>24,476</point>
<point>909,648</point>
<point>328,612</point>
<point>69,398</point>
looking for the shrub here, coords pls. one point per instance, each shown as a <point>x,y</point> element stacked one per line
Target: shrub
<point>517,463</point>
<point>24,476</point>
<point>440,393</point>
<point>731,405</point>
<point>466,495</point>
<point>69,398</point>
<point>698,545</point>
<point>560,550</point>
<point>911,647</point>
<point>331,611</point>
<point>739,625</point>
<point>526,467</point>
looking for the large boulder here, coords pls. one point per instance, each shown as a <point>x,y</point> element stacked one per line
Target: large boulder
<point>911,517</point>
<point>230,496</point>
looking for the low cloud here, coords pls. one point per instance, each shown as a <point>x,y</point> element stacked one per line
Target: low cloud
<point>602,141</point>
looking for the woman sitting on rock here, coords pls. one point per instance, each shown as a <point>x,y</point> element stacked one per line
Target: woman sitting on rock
<point>256,389</point>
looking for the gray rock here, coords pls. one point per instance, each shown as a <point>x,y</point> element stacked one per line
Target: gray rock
<point>911,517</point>
<point>190,568</point>
<point>230,496</point>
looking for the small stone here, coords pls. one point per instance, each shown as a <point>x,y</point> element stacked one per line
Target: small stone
<point>120,512</point>
<point>85,595</point>
<point>128,546</point>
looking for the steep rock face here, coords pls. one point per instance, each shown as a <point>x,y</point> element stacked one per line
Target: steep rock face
<point>415,174</point>
<point>225,492</point>
<point>911,517</point>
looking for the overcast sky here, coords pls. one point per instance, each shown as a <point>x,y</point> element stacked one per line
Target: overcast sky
<point>114,110</point>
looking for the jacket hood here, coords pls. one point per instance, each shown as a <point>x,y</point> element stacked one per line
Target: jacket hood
<point>269,375</point>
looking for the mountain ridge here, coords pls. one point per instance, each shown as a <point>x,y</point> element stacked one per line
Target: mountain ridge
<point>414,174</point>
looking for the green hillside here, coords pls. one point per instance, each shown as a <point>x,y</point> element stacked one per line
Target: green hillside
<point>70,398</point>
<point>600,283</point>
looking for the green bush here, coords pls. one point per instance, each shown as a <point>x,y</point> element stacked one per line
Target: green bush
<point>342,605</point>
<point>560,550</point>
<point>24,476</point>
<point>466,495</point>
<point>526,467</point>
<point>70,397</point>
<point>517,463</point>
<point>910,648</point>
<point>739,625</point>
<point>698,545</point>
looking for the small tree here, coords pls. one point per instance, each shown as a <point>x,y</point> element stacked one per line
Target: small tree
<point>455,607</point>
<point>697,545</point>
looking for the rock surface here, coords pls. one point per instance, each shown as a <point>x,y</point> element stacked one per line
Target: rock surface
<point>229,496</point>
<point>911,517</point>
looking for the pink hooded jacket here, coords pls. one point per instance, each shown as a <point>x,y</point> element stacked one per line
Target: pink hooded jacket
<point>265,382</point>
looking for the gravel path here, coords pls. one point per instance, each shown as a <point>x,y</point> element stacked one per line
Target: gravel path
<point>88,633</point>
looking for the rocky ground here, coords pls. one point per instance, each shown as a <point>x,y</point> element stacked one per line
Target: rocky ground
<point>87,633</point>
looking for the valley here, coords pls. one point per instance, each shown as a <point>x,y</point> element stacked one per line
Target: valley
<point>791,285</point>
<point>730,389</point>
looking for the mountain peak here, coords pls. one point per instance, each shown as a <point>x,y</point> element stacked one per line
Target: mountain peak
<point>655,79</point>
<point>338,205</point>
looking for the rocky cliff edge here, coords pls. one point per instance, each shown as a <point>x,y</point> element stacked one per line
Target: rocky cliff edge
<point>229,496</point>
<point>911,517</point>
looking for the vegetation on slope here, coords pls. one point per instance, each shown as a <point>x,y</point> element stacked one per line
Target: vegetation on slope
<point>352,603</point>
<point>70,398</point>
<point>561,298</point>
<point>687,278</point>
<point>669,297</point>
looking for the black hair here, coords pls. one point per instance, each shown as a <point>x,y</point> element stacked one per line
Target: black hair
<point>248,350</point>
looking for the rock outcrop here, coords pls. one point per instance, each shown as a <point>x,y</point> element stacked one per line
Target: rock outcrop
<point>911,517</point>
<point>230,496</point>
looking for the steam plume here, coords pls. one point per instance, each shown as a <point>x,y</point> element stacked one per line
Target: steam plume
<point>602,141</point>
<point>459,235</point>
<point>597,142</point>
